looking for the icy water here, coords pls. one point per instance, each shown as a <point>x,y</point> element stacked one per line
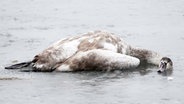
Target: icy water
<point>29,26</point>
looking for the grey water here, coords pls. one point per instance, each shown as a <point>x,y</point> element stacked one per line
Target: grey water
<point>29,26</point>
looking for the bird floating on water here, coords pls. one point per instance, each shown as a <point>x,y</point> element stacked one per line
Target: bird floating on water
<point>96,50</point>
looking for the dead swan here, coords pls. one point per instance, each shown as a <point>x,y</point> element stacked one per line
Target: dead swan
<point>97,50</point>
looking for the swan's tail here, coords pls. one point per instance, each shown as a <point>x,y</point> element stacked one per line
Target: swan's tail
<point>19,65</point>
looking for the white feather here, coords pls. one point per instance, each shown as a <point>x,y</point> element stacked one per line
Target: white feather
<point>64,67</point>
<point>109,46</point>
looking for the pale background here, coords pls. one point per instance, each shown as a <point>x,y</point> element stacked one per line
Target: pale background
<point>29,26</point>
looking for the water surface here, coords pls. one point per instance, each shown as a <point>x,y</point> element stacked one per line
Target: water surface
<point>29,26</point>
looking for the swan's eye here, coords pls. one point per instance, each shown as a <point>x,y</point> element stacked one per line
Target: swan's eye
<point>164,63</point>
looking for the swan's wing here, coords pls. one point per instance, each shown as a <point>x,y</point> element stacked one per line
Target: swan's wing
<point>98,59</point>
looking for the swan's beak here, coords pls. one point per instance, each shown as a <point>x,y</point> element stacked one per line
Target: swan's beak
<point>160,70</point>
<point>162,66</point>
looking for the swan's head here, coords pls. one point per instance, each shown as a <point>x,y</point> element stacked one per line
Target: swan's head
<point>165,64</point>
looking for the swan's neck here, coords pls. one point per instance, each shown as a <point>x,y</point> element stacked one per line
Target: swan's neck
<point>145,55</point>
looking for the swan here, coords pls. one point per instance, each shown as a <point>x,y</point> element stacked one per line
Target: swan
<point>95,50</point>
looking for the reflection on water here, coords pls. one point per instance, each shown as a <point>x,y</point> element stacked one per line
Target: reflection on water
<point>128,86</point>
<point>29,26</point>
<point>166,73</point>
<point>88,87</point>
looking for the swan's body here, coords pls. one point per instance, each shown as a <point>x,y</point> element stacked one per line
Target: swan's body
<point>98,50</point>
